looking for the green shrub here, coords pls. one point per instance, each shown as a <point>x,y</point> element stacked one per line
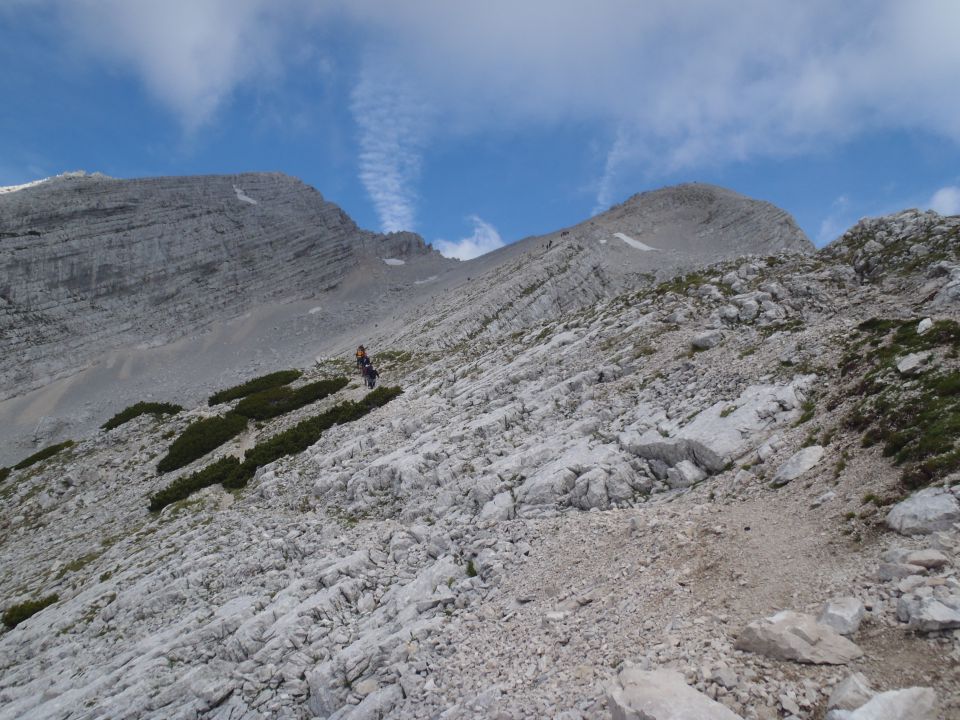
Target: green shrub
<point>43,454</point>
<point>18,613</point>
<point>199,438</point>
<point>218,472</point>
<point>280,400</point>
<point>230,473</point>
<point>140,408</point>
<point>306,433</point>
<point>4,474</point>
<point>259,384</point>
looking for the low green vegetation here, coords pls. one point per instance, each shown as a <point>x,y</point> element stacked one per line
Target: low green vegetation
<point>916,419</point>
<point>47,452</point>
<point>140,408</point>
<point>199,438</point>
<point>259,384</point>
<point>231,473</point>
<point>4,473</point>
<point>219,472</point>
<point>16,614</point>
<point>280,400</point>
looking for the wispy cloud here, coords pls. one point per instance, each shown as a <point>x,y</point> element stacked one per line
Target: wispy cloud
<point>606,187</point>
<point>393,124</point>
<point>836,222</point>
<point>946,200</point>
<point>484,239</point>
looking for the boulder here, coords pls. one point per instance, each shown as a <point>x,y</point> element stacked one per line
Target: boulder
<point>927,613</point>
<point>706,340</point>
<point>924,326</point>
<point>925,512</point>
<point>793,636</point>
<point>913,364</point>
<point>843,615</point>
<point>661,695</point>
<point>798,464</point>
<point>909,704</point>
<point>851,693</point>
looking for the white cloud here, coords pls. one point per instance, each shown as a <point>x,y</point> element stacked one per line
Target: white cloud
<point>393,125</point>
<point>681,84</point>
<point>946,200</point>
<point>836,222</point>
<point>189,54</point>
<point>484,239</point>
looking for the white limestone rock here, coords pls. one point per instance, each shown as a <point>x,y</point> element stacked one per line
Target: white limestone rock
<point>793,636</point>
<point>925,512</point>
<point>843,615</point>
<point>716,436</point>
<point>661,695</point>
<point>914,363</point>
<point>928,613</point>
<point>799,463</point>
<point>851,693</point>
<point>909,704</point>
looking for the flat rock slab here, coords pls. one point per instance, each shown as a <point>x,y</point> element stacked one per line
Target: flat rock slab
<point>793,636</point>
<point>925,512</point>
<point>910,704</point>
<point>661,695</point>
<point>798,464</point>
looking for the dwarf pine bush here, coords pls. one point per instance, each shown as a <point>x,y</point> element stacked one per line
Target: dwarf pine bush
<point>219,472</point>
<point>259,384</point>
<point>280,400</point>
<point>140,408</point>
<point>199,438</point>
<point>16,614</point>
<point>4,474</point>
<point>43,454</point>
<point>231,473</point>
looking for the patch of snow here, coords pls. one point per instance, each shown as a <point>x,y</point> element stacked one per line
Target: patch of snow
<point>394,261</point>
<point>633,243</point>
<point>315,310</point>
<point>603,241</point>
<point>241,195</point>
<point>424,282</point>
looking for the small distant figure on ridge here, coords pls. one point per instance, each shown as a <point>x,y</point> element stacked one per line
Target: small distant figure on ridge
<point>361,357</point>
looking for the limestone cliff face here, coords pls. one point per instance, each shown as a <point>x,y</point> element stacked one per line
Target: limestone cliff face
<point>88,262</point>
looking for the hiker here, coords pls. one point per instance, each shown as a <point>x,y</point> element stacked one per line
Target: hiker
<point>370,375</point>
<point>361,356</point>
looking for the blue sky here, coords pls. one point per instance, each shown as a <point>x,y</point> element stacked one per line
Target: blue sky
<point>476,124</point>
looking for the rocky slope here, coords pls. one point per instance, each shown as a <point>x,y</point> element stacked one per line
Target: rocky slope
<point>89,263</point>
<point>589,517</point>
<point>168,288</point>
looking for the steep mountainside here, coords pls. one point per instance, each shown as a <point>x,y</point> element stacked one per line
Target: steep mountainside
<point>89,263</point>
<point>168,288</point>
<point>733,493</point>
